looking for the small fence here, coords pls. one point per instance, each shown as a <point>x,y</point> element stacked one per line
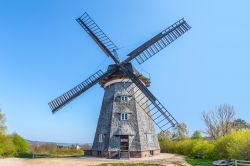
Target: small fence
<point>241,163</point>
<point>231,163</point>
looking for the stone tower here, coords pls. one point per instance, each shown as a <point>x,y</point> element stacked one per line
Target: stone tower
<point>124,129</point>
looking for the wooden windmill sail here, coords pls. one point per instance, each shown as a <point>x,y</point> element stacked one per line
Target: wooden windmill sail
<point>128,107</point>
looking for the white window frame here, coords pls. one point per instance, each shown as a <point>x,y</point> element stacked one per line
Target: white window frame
<point>124,116</point>
<point>149,137</point>
<point>124,98</point>
<point>100,137</point>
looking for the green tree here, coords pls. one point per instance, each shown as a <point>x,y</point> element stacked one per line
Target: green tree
<point>2,123</point>
<point>240,124</point>
<point>7,148</point>
<point>20,144</point>
<point>196,135</point>
<point>10,145</point>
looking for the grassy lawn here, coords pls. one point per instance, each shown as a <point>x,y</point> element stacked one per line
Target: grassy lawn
<point>199,162</point>
<point>129,164</point>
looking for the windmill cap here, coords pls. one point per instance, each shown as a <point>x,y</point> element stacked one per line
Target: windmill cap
<point>119,74</point>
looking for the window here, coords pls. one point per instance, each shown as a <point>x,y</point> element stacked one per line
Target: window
<point>124,116</point>
<point>100,139</point>
<point>149,137</point>
<point>124,98</point>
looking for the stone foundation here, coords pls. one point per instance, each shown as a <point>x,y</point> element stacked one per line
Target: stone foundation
<point>112,154</point>
<point>140,154</point>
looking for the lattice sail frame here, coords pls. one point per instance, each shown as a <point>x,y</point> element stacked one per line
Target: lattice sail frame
<point>89,25</point>
<point>158,42</point>
<point>157,116</point>
<point>152,107</point>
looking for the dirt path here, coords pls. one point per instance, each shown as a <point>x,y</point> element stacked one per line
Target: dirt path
<point>164,158</point>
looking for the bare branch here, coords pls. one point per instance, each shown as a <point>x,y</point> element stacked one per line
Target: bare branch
<point>219,121</point>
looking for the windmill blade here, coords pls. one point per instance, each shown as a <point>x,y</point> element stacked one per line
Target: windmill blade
<point>148,102</point>
<point>64,99</point>
<point>98,36</point>
<point>158,42</point>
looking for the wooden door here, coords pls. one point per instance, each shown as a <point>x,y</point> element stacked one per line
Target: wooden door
<point>124,146</point>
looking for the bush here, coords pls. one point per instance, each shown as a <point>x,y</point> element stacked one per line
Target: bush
<point>203,149</point>
<point>7,147</point>
<point>66,151</point>
<point>231,146</point>
<point>21,145</point>
<point>12,145</point>
<point>234,145</point>
<point>183,147</point>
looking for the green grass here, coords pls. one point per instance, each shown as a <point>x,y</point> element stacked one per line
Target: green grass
<point>129,164</point>
<point>199,162</point>
<point>179,164</point>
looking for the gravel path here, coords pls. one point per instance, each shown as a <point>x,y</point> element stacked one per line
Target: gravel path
<point>163,158</point>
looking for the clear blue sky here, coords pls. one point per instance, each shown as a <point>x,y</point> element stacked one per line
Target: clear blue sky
<point>44,52</point>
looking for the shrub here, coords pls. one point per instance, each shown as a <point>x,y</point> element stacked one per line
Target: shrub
<point>234,145</point>
<point>12,145</point>
<point>231,146</point>
<point>7,147</point>
<point>203,149</point>
<point>21,145</point>
<point>184,147</point>
<point>66,151</point>
<point>167,146</point>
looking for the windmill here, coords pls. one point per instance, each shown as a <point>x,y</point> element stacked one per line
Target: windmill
<point>125,126</point>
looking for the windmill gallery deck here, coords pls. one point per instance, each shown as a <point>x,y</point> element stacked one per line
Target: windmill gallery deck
<point>129,110</point>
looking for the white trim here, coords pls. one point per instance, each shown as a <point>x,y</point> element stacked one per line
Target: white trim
<point>124,116</point>
<point>149,137</point>
<point>100,137</point>
<point>119,80</point>
<point>124,98</point>
<point>116,81</point>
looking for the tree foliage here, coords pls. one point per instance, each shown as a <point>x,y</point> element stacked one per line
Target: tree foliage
<point>196,135</point>
<point>10,145</point>
<point>7,147</point>
<point>21,145</point>
<point>240,124</point>
<point>2,123</point>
